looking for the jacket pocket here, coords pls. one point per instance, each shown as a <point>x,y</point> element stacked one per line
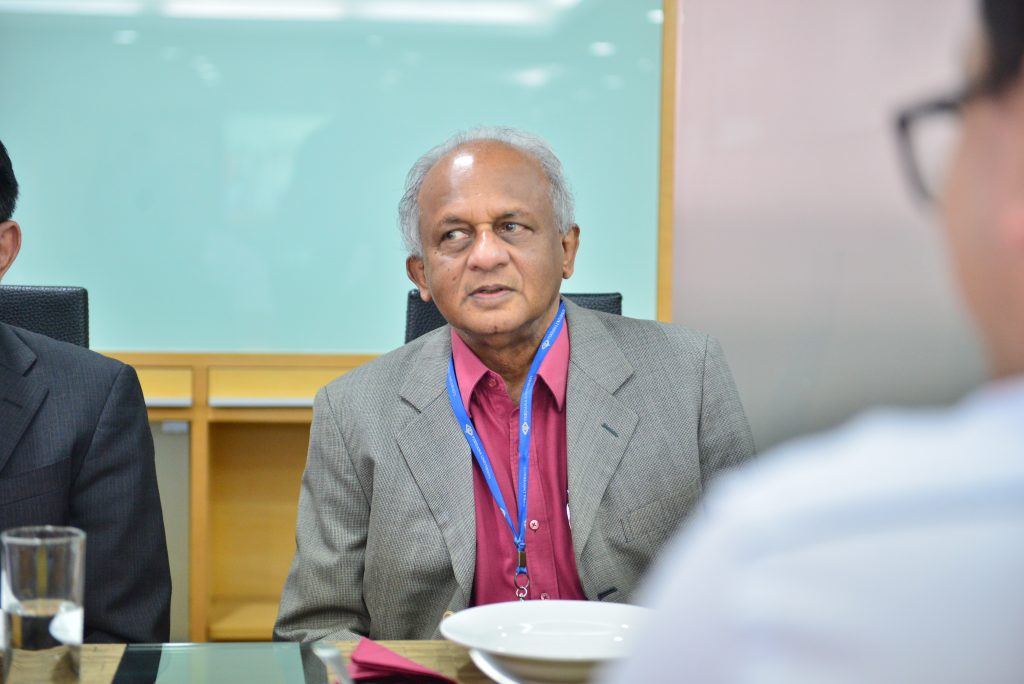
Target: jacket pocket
<point>661,516</point>
<point>32,483</point>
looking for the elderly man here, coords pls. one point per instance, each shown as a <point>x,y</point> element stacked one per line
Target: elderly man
<point>75,449</point>
<point>893,549</point>
<point>530,449</point>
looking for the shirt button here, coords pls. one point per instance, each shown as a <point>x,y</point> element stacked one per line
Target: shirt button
<point>491,382</point>
<point>544,596</point>
<point>534,525</point>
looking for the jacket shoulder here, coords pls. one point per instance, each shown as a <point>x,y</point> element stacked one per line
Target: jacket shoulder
<point>636,335</point>
<point>57,356</point>
<point>384,374</point>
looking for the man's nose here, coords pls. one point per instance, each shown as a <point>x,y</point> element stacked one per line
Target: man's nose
<point>488,250</point>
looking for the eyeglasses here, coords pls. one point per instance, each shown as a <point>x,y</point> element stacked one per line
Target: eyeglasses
<point>925,135</point>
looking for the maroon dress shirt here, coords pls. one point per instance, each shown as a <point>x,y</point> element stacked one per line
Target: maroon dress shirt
<point>549,552</point>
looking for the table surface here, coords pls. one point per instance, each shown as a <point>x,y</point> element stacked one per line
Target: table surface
<point>251,663</point>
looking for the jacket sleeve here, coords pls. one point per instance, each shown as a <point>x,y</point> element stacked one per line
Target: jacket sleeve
<point>323,595</point>
<point>725,439</point>
<point>115,499</point>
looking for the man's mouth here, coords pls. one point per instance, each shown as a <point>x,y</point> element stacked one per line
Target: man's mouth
<point>489,291</point>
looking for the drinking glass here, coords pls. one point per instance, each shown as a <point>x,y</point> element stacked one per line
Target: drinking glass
<point>41,590</point>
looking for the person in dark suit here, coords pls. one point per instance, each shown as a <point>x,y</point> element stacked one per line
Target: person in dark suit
<point>75,449</point>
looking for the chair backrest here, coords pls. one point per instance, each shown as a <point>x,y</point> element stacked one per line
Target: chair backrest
<point>58,312</point>
<point>421,317</point>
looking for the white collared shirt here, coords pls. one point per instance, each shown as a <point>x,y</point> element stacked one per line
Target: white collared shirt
<point>891,550</point>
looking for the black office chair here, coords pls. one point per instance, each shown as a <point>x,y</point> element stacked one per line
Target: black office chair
<point>58,312</point>
<point>421,317</point>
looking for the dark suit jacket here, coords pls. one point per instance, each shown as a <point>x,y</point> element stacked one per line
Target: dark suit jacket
<point>75,449</point>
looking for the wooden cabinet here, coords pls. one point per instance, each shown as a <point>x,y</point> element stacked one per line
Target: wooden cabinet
<point>255,474</point>
<point>249,418</point>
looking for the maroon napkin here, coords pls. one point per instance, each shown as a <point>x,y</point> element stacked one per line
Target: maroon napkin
<point>370,660</point>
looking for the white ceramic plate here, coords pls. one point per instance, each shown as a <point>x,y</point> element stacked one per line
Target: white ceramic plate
<point>545,641</point>
<point>493,669</point>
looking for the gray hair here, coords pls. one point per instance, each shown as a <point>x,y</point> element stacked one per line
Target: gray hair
<point>527,143</point>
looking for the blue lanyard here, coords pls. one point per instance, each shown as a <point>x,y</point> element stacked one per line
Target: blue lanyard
<point>526,415</point>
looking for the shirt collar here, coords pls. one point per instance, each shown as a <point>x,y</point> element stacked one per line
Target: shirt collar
<point>470,370</point>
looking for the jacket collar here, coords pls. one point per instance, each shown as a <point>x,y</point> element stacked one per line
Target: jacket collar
<point>425,381</point>
<point>15,355</point>
<point>592,351</point>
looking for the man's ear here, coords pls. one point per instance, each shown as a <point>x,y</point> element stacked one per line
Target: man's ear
<point>10,244</point>
<point>570,244</point>
<point>417,273</point>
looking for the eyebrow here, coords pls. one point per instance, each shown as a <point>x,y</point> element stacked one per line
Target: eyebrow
<point>452,219</point>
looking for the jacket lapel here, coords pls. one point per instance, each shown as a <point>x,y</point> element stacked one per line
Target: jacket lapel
<point>19,398</point>
<point>598,426</point>
<point>439,458</point>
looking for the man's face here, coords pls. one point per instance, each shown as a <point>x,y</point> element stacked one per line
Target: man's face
<point>493,257</point>
<point>983,208</point>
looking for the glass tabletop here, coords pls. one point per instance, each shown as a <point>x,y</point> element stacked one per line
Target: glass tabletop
<point>289,663</point>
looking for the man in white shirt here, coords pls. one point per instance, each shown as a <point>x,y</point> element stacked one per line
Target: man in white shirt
<point>891,550</point>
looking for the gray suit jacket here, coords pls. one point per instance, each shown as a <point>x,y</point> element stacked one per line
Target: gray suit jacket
<point>75,449</point>
<point>386,538</point>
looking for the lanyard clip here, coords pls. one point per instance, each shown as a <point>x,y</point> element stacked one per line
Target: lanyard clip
<point>522,586</point>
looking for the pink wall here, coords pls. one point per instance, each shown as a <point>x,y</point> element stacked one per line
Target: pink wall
<point>797,241</point>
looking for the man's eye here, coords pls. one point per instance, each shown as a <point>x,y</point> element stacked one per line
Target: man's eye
<point>453,234</point>
<point>511,227</point>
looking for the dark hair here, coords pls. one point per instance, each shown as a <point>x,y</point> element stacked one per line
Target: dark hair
<point>1004,33</point>
<point>8,186</point>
